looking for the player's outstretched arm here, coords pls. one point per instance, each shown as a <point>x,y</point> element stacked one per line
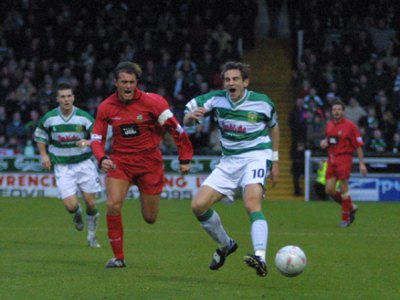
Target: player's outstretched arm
<point>323,143</point>
<point>44,157</point>
<point>184,168</point>
<point>83,143</point>
<point>363,167</point>
<point>106,164</point>
<point>194,117</point>
<point>275,138</point>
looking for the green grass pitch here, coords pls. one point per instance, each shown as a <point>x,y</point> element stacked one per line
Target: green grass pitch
<point>42,256</point>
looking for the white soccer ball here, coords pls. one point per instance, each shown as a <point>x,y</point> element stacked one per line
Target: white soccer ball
<point>290,261</point>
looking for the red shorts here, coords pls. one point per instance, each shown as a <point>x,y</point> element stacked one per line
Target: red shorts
<point>339,166</point>
<point>146,171</point>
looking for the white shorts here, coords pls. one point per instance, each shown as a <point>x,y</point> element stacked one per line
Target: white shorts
<point>234,172</point>
<point>71,178</point>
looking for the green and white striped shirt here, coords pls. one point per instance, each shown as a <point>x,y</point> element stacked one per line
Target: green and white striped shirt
<point>62,134</point>
<point>244,124</point>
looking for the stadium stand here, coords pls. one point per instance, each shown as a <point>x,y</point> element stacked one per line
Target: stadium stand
<point>350,50</point>
<point>179,44</point>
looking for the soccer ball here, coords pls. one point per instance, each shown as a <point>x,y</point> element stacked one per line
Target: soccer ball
<point>290,261</point>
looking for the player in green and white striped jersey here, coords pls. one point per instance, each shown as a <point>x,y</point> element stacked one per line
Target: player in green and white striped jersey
<point>249,140</point>
<point>64,131</point>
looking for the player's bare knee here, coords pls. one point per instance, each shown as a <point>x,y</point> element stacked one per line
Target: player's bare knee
<point>330,191</point>
<point>198,209</point>
<point>252,204</point>
<point>250,208</point>
<point>71,207</point>
<point>113,208</point>
<point>150,219</point>
<point>91,205</point>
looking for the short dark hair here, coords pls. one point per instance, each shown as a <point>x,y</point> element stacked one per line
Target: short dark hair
<point>63,86</point>
<point>234,65</point>
<point>128,67</point>
<point>338,102</point>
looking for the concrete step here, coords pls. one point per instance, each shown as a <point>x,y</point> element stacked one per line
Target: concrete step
<point>270,74</point>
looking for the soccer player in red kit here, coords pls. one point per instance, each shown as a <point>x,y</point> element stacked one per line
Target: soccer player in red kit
<point>138,121</point>
<point>342,139</point>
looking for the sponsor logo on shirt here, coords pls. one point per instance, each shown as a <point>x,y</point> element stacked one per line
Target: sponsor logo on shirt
<point>68,138</point>
<point>229,127</point>
<point>129,130</point>
<point>332,140</point>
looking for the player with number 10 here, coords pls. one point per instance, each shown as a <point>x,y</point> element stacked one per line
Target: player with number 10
<point>250,139</point>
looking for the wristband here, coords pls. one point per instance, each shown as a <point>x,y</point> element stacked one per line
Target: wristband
<point>184,162</point>
<point>101,160</point>
<point>275,156</point>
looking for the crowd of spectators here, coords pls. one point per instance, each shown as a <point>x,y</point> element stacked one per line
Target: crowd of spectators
<point>351,52</point>
<point>179,44</point>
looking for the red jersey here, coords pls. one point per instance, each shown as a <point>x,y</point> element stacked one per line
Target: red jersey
<point>138,126</point>
<point>343,137</point>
